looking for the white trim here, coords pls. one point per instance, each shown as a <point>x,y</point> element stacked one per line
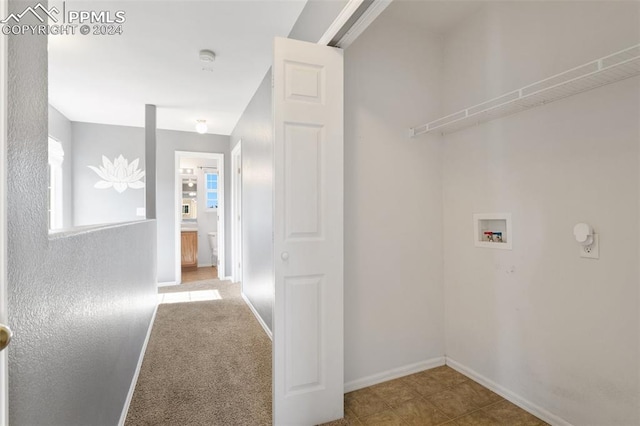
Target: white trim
<point>178,202</point>
<point>134,381</point>
<point>521,402</point>
<point>4,363</point>
<point>258,317</point>
<point>167,284</point>
<point>342,18</point>
<point>373,11</point>
<point>394,373</point>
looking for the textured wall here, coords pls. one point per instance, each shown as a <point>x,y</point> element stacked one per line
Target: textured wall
<point>170,141</point>
<point>558,330</point>
<point>80,304</point>
<point>255,129</point>
<point>393,291</point>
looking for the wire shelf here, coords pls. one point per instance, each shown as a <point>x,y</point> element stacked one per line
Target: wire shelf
<point>609,69</point>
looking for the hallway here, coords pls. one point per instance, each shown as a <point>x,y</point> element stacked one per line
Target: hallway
<point>207,362</point>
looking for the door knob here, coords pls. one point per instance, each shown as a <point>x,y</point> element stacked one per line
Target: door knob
<point>5,336</point>
<point>284,255</point>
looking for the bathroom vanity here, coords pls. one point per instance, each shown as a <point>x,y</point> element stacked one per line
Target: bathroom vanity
<point>189,249</point>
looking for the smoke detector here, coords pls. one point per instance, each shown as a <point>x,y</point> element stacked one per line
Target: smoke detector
<point>207,56</point>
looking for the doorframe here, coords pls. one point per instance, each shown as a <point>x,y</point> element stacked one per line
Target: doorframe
<point>4,316</point>
<point>178,203</point>
<point>236,210</point>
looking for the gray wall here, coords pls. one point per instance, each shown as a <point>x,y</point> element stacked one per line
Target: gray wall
<point>255,128</point>
<point>557,330</point>
<point>60,129</point>
<point>315,18</point>
<point>90,142</point>
<point>80,304</point>
<point>170,141</point>
<point>393,292</point>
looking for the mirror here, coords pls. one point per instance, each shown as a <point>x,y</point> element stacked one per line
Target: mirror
<point>189,198</point>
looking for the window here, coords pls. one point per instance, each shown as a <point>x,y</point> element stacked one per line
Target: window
<point>56,157</point>
<point>212,190</point>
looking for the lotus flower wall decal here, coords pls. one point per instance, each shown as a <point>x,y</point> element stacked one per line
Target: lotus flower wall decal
<point>119,175</point>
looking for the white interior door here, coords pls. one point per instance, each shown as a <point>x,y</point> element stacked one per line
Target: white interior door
<point>308,380</point>
<point>236,211</point>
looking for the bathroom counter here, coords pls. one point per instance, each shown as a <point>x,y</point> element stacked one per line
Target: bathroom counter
<point>189,249</point>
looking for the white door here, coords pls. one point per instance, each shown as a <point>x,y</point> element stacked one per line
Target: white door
<point>308,382</point>
<point>236,212</point>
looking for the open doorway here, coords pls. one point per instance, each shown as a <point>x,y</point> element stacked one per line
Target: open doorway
<point>199,216</point>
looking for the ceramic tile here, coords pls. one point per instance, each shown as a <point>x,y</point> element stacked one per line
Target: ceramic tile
<point>452,402</point>
<point>512,415</point>
<point>425,385</point>
<point>440,396</point>
<point>384,418</point>
<point>364,404</point>
<point>446,375</point>
<point>350,417</point>
<point>477,418</point>
<point>395,392</point>
<point>419,412</point>
<point>476,393</point>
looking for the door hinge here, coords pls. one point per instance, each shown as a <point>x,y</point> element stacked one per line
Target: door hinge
<point>239,170</point>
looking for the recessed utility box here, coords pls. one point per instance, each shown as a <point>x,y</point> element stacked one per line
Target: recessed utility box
<point>493,230</point>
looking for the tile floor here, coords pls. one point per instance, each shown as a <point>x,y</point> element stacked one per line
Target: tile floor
<point>204,273</point>
<point>440,396</point>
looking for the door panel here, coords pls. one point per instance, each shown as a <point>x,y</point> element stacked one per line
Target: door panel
<point>308,233</point>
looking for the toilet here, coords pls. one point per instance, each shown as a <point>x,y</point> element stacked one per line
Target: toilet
<point>213,245</point>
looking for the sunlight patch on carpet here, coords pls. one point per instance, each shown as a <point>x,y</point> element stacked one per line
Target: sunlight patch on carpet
<point>189,296</point>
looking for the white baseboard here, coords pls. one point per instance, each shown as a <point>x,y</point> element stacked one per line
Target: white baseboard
<point>134,381</point>
<point>258,317</point>
<point>205,265</point>
<point>167,283</point>
<point>393,374</point>
<point>521,402</point>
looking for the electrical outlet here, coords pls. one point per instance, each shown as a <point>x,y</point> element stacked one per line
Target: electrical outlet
<point>592,251</point>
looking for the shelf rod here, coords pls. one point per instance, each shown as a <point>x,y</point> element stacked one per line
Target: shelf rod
<point>599,67</point>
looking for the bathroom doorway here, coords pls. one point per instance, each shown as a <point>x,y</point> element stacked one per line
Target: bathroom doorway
<point>199,216</point>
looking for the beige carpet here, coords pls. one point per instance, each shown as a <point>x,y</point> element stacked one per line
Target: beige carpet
<point>207,363</point>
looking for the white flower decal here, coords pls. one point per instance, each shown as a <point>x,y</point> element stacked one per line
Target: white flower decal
<point>120,174</point>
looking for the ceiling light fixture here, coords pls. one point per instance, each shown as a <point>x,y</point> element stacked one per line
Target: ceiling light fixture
<point>201,126</point>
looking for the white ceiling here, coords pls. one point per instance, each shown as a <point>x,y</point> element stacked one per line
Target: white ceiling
<point>109,78</point>
<point>437,16</point>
